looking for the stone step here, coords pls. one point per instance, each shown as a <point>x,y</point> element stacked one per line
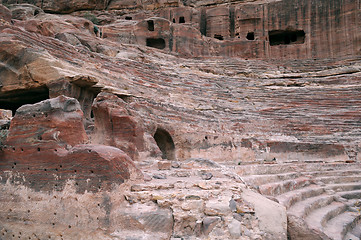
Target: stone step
<point>303,208</point>
<point>258,180</point>
<point>355,233</point>
<point>332,173</point>
<point>344,187</point>
<point>268,169</point>
<point>319,217</point>
<point>277,188</point>
<point>268,178</point>
<point>338,179</point>
<point>290,198</point>
<point>356,194</point>
<point>337,227</point>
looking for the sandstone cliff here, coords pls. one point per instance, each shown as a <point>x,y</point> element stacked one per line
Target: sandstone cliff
<point>136,119</point>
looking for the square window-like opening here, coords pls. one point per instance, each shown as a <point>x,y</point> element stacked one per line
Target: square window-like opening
<point>150,25</point>
<point>250,36</point>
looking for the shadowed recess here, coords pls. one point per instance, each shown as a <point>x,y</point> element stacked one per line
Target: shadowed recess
<point>156,43</point>
<point>15,99</point>
<point>165,144</point>
<point>284,37</point>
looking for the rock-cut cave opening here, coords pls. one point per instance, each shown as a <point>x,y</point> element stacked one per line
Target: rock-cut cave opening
<point>217,36</point>
<point>15,99</point>
<point>155,43</point>
<point>285,37</point>
<point>165,144</point>
<point>150,25</point>
<point>250,36</point>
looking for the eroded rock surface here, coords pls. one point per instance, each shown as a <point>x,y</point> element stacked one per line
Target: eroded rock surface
<point>45,148</point>
<point>211,100</point>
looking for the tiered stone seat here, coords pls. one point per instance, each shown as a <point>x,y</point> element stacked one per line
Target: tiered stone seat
<point>324,195</point>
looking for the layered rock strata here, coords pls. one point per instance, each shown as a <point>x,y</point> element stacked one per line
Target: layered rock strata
<point>112,99</point>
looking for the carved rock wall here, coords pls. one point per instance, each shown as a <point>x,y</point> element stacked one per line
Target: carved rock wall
<point>45,148</point>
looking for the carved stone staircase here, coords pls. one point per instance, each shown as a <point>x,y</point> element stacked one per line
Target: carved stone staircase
<point>325,197</point>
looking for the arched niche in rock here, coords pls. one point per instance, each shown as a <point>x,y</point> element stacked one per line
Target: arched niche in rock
<point>165,144</point>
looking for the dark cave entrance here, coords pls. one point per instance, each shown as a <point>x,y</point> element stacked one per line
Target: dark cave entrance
<point>250,36</point>
<point>155,43</point>
<point>165,144</point>
<point>285,37</point>
<point>14,99</point>
<point>218,36</point>
<point>150,25</point>
<point>182,20</point>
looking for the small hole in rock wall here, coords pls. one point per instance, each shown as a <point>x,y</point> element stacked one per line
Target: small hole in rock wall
<point>38,149</point>
<point>10,210</point>
<point>150,25</point>
<point>55,150</point>
<point>76,184</point>
<point>13,149</point>
<point>98,205</point>
<point>250,36</point>
<point>182,20</point>
<point>217,36</point>
<point>45,169</point>
<point>22,149</point>
<point>60,166</point>
<point>91,171</point>
<point>128,18</point>
<point>89,150</point>
<point>40,138</point>
<point>34,115</point>
<point>173,20</point>
<point>75,171</point>
<point>28,211</point>
<point>28,168</point>
<point>69,226</point>
<point>56,169</point>
<point>29,198</point>
<point>55,213</point>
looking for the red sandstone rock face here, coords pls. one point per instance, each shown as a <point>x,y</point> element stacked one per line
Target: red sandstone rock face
<point>114,125</point>
<point>214,103</point>
<point>44,151</point>
<point>5,13</point>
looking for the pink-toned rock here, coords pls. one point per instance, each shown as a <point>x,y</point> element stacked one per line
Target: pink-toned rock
<point>164,165</point>
<point>5,114</point>
<point>5,13</point>
<point>114,125</point>
<point>45,149</point>
<point>47,124</point>
<point>24,11</point>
